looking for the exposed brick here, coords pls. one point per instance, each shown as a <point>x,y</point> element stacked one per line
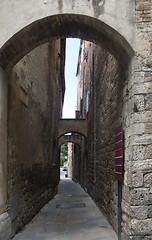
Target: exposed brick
<point>32,175</point>
<point>104,116</point>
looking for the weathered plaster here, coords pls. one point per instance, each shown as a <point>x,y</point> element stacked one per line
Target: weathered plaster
<point>18,14</point>
<point>23,27</point>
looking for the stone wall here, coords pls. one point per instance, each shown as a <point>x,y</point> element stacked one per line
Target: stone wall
<point>105,87</point>
<point>105,115</point>
<point>137,195</point>
<point>117,97</point>
<point>76,163</point>
<point>35,95</point>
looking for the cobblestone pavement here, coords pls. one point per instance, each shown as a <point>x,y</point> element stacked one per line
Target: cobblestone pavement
<point>71,215</point>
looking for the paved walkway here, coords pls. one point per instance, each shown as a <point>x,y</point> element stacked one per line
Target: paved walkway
<point>71,215</point>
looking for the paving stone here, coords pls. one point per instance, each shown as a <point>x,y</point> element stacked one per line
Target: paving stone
<point>71,215</point>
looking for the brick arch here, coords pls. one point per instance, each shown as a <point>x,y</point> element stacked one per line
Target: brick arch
<point>70,138</point>
<point>64,26</point>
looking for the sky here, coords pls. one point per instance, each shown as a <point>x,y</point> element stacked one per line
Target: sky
<point>70,99</point>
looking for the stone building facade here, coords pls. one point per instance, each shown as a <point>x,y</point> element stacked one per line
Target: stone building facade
<point>35,98</point>
<point>102,97</point>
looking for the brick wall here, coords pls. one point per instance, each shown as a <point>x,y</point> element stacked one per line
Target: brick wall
<point>33,110</point>
<point>105,114</point>
<point>116,97</point>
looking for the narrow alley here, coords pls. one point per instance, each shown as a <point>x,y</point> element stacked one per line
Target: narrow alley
<point>76,95</point>
<point>71,215</point>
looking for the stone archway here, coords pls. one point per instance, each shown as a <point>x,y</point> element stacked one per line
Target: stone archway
<point>62,26</point>
<point>70,138</point>
<point>28,25</point>
<point>72,126</point>
<point>24,29</point>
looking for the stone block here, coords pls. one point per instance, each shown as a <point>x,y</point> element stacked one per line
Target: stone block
<point>148,127</point>
<point>141,227</point>
<point>137,64</point>
<point>129,131</point>
<point>142,166</point>
<point>139,77</point>
<point>150,212</point>
<point>139,212</point>
<point>148,152</point>
<point>142,117</point>
<point>148,77</point>
<point>138,153</point>
<point>126,194</point>
<point>148,102</point>
<point>137,179</point>
<point>139,102</point>
<point>138,128</point>
<point>141,139</point>
<point>141,196</point>
<point>139,238</point>
<point>128,154</point>
<point>126,208</point>
<point>148,180</point>
<point>127,178</point>
<point>136,212</point>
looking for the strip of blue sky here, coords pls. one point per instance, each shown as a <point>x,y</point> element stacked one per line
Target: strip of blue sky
<point>70,100</point>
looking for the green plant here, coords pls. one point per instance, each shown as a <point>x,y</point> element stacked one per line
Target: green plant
<point>63,154</point>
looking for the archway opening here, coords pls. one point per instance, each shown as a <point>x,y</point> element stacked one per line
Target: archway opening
<point>63,26</point>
